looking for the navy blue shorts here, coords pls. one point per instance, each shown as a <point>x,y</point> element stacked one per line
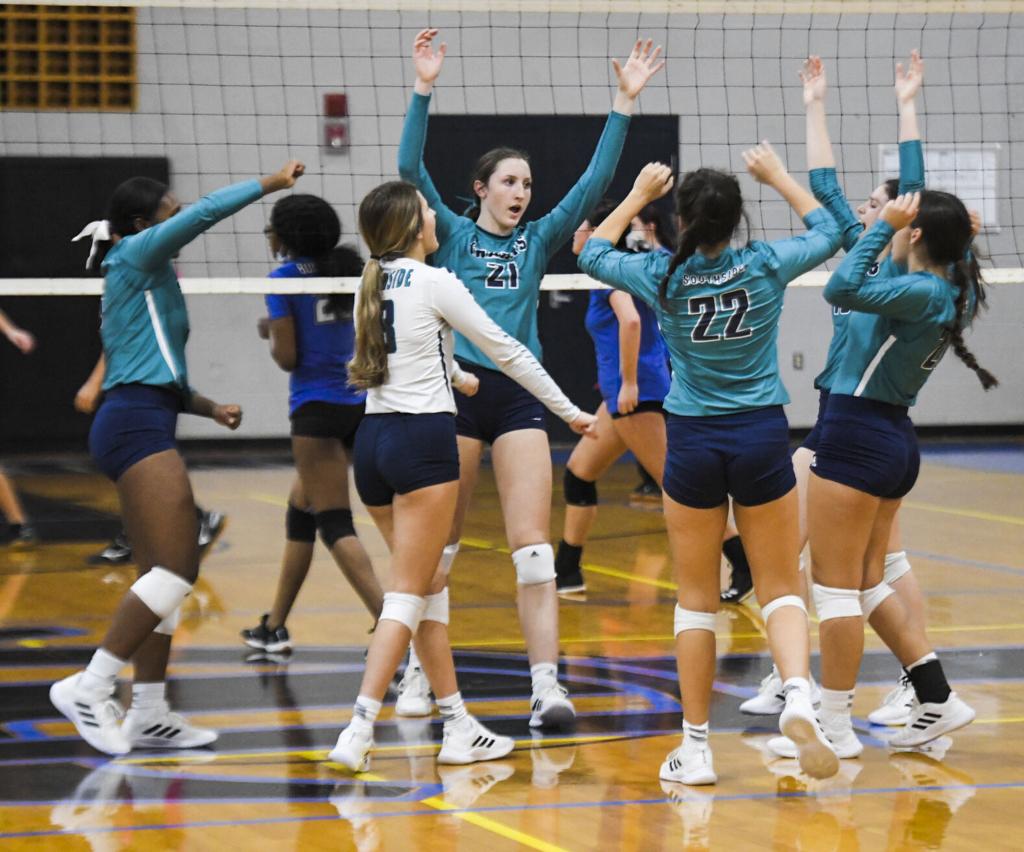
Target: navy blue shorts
<point>399,453</point>
<point>134,421</point>
<point>501,405</point>
<point>814,436</point>
<point>868,445</point>
<point>744,454</point>
<point>642,406</point>
<point>327,420</point>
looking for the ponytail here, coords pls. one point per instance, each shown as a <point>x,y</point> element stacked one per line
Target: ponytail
<point>970,299</point>
<point>688,242</point>
<point>369,366</point>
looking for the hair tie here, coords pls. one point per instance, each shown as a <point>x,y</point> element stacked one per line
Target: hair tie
<point>100,233</point>
<point>375,257</point>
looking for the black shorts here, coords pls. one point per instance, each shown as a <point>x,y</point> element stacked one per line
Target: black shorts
<point>642,406</point>
<point>327,420</point>
<point>501,405</point>
<point>814,436</point>
<point>868,445</point>
<point>399,453</point>
<point>744,454</point>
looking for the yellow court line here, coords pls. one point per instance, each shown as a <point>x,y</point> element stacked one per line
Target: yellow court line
<point>632,578</point>
<point>1009,720</point>
<point>493,826</point>
<point>965,513</point>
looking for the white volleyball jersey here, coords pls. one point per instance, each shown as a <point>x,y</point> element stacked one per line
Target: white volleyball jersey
<point>420,307</point>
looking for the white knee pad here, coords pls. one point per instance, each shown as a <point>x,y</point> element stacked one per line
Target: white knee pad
<point>161,590</point>
<point>169,624</point>
<point>403,608</point>
<point>871,598</point>
<point>447,558</point>
<point>688,619</point>
<point>836,603</point>
<point>437,607</point>
<point>535,564</point>
<point>896,565</point>
<point>779,602</point>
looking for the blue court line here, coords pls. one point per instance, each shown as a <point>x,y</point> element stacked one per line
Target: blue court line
<point>969,563</point>
<point>498,809</point>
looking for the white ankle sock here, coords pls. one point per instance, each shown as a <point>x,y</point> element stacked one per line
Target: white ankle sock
<point>149,696</point>
<point>101,673</point>
<point>835,706</point>
<point>800,684</point>
<point>544,676</point>
<point>452,708</point>
<point>365,711</point>
<point>414,661</point>
<point>695,734</point>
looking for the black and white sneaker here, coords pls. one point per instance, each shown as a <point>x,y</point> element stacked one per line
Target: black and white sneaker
<point>162,728</point>
<point>211,525</point>
<point>930,721</point>
<point>118,552</point>
<point>262,638</point>
<point>740,588</point>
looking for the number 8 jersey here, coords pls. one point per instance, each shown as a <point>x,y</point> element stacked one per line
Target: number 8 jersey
<point>420,305</point>
<point>722,321</point>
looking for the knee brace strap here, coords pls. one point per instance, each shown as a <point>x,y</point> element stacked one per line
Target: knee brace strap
<point>169,624</point>
<point>836,603</point>
<point>871,598</point>
<point>403,608</point>
<point>437,607</point>
<point>896,565</point>
<point>447,558</point>
<point>299,525</point>
<point>535,564</point>
<point>579,492</point>
<point>334,524</point>
<point>779,602</point>
<point>688,619</point>
<point>161,590</point>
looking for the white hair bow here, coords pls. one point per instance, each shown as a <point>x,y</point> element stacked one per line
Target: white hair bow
<point>100,233</point>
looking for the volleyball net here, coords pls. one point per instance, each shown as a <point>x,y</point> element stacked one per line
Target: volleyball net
<point>223,91</point>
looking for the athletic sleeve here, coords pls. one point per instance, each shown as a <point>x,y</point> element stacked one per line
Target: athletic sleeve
<point>157,245</point>
<point>412,168</point>
<point>557,227</point>
<point>456,305</point>
<point>826,189</point>
<point>911,166</point>
<point>637,274</point>
<point>278,307</point>
<point>907,297</point>
<point>797,255</point>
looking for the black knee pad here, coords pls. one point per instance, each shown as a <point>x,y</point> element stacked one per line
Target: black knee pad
<point>299,525</point>
<point>334,524</point>
<point>579,492</point>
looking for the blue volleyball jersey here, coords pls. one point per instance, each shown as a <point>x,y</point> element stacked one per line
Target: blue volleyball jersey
<point>324,342</point>
<point>722,321</point>
<point>826,189</point>
<point>652,374</point>
<point>504,273</point>
<point>144,321</point>
<point>898,331</point>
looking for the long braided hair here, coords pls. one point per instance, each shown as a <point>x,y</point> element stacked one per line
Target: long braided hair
<point>710,206</point>
<point>946,237</point>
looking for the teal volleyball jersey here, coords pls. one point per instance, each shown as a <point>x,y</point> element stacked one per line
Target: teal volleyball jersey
<point>898,331</point>
<point>504,273</point>
<point>825,186</point>
<point>144,320</point>
<point>722,321</point>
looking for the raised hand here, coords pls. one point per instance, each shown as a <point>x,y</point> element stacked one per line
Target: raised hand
<point>902,210</point>
<point>285,178</point>
<point>425,59</point>
<point>654,181</point>
<point>909,80</point>
<point>975,218</point>
<point>764,164</point>
<point>639,68</point>
<point>812,75</point>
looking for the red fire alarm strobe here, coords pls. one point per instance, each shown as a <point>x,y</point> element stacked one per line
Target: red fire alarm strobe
<point>335,123</point>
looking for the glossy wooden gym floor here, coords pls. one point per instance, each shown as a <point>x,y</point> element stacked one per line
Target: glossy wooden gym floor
<point>265,784</point>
